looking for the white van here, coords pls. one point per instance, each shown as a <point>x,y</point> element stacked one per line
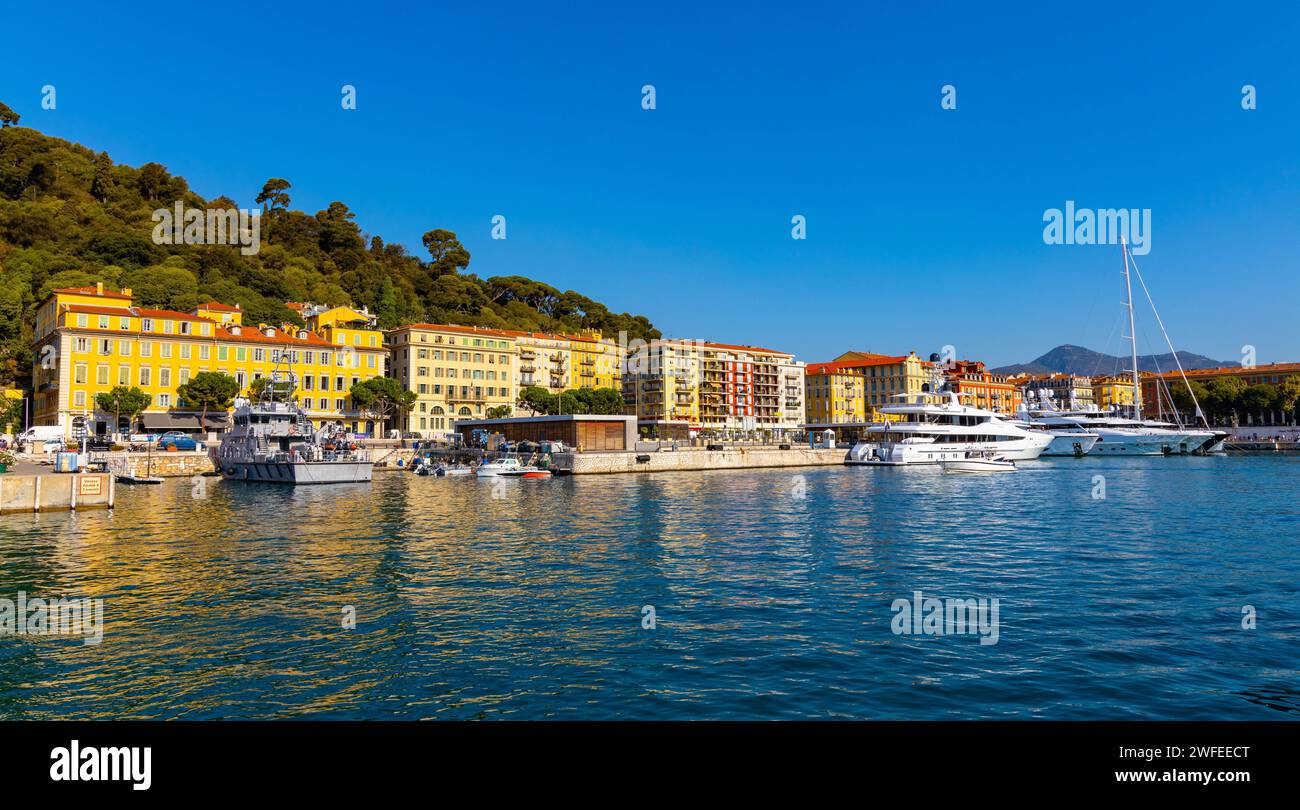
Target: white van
<point>39,434</point>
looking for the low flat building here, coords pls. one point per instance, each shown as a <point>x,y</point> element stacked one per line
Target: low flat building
<point>587,432</point>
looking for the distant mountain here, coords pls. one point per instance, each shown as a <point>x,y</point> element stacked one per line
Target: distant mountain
<point>1078,360</point>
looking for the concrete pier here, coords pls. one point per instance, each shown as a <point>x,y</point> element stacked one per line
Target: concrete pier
<point>733,458</point>
<point>51,493</point>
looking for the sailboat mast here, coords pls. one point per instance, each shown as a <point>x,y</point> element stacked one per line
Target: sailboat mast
<point>1132,334</point>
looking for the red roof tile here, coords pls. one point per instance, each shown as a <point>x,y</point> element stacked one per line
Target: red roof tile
<point>91,291</point>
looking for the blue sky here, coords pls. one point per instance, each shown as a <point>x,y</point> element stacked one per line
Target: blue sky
<point>924,226</point>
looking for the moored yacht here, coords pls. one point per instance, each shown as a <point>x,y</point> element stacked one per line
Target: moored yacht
<point>931,431</point>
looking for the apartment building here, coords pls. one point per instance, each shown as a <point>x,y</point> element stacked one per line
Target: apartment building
<point>683,388</point>
<point>456,372</point>
<point>1113,392</point>
<point>1067,391</point>
<point>88,340</point>
<point>981,388</point>
<point>852,388</point>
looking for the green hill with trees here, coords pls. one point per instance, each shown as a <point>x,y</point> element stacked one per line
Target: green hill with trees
<point>70,216</point>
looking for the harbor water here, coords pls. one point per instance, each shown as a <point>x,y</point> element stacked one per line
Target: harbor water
<point>1126,588</point>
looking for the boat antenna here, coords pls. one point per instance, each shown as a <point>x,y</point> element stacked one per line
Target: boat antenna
<point>1132,335</point>
<point>1177,360</point>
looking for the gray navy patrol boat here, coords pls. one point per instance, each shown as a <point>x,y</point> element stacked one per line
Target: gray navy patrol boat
<point>272,441</point>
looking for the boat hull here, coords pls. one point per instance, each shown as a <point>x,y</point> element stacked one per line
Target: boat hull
<point>300,472</point>
<point>1070,445</point>
<point>894,454</point>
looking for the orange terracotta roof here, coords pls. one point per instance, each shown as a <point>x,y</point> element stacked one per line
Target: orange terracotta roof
<point>881,360</point>
<point>218,307</point>
<point>167,313</point>
<point>137,312</point>
<point>736,347</point>
<point>97,310</point>
<point>1271,368</point>
<point>251,334</point>
<point>452,327</point>
<point>91,291</point>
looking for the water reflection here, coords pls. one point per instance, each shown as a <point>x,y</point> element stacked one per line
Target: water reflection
<point>772,590</point>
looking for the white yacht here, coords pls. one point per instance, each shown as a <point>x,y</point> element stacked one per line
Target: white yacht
<point>932,431</point>
<point>1115,435</point>
<point>1121,435</point>
<point>1068,438</point>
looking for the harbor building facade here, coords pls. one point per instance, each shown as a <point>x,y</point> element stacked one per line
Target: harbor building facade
<point>88,340</point>
<point>981,387</point>
<point>593,361</point>
<point>1157,389</point>
<point>545,361</point>
<point>456,373</point>
<point>683,388</point>
<point>1067,391</point>
<point>852,388</point>
<point>1113,392</point>
<point>588,432</point>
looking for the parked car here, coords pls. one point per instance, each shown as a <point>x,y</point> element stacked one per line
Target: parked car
<point>99,442</point>
<point>178,440</point>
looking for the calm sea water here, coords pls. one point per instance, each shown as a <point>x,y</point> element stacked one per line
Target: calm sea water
<point>772,593</point>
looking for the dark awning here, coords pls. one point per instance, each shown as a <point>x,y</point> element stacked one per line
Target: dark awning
<point>180,420</point>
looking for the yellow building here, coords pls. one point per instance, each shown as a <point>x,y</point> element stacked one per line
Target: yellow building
<point>544,361</point>
<point>89,340</point>
<point>593,361</point>
<point>456,372</point>
<point>12,395</point>
<point>1112,391</point>
<point>678,388</point>
<point>853,387</point>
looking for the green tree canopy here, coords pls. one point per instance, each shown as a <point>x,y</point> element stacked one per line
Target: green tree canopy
<point>7,116</point>
<point>70,216</point>
<point>536,399</point>
<point>208,391</point>
<point>123,401</point>
<point>382,398</point>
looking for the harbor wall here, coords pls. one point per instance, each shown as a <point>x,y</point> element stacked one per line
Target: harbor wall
<point>695,459</point>
<point>179,464</point>
<point>49,493</point>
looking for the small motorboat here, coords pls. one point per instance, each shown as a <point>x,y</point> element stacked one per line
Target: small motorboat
<point>500,466</point>
<point>444,471</point>
<point>527,472</point>
<point>977,462</point>
<point>138,479</point>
